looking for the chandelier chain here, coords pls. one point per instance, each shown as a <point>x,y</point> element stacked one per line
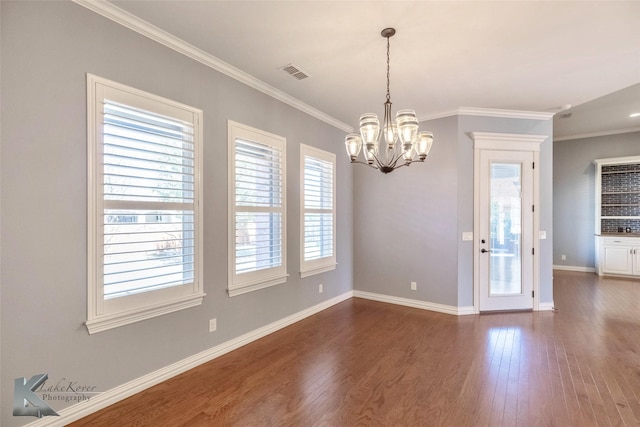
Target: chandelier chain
<point>388,67</point>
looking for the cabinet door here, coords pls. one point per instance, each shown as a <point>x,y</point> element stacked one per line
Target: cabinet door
<point>617,259</point>
<point>636,260</point>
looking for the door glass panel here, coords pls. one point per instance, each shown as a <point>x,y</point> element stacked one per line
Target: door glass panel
<point>506,238</point>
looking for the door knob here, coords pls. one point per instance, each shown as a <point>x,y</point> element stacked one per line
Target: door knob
<point>484,251</point>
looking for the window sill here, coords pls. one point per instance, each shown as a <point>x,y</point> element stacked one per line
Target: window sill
<point>254,286</point>
<point>317,270</point>
<point>110,321</point>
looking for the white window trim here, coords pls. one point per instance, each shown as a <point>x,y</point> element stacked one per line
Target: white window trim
<point>252,281</point>
<point>125,310</point>
<point>321,265</point>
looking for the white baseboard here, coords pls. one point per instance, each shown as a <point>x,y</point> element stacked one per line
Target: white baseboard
<point>424,305</point>
<point>463,311</point>
<point>545,306</point>
<point>574,268</point>
<point>121,392</point>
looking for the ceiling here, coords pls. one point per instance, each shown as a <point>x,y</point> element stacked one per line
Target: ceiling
<point>606,115</point>
<point>516,55</point>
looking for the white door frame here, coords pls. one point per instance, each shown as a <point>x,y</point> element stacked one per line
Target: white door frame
<point>506,142</point>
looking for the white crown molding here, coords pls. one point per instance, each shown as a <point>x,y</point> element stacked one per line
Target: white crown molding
<point>505,114</point>
<point>438,116</point>
<point>596,134</point>
<point>617,161</point>
<point>154,33</point>
<point>507,141</point>
<point>492,112</point>
<point>121,392</point>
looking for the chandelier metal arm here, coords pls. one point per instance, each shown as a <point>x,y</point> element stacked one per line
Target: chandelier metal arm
<point>391,163</point>
<point>365,163</point>
<point>388,168</point>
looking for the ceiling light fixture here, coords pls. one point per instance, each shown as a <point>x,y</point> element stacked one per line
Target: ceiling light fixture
<point>634,115</point>
<point>402,140</point>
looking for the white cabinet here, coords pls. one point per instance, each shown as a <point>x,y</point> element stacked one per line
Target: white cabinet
<point>618,255</point>
<point>617,259</point>
<point>636,261</point>
<point>617,214</point>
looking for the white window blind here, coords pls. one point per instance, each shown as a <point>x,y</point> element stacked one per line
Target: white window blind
<point>258,209</point>
<point>144,211</point>
<point>318,211</point>
<point>148,172</point>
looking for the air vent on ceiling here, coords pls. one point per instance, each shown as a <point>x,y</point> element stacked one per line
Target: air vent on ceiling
<point>295,71</point>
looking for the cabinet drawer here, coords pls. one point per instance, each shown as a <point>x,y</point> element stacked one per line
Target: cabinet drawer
<point>621,241</point>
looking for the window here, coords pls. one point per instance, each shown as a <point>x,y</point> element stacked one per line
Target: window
<point>257,209</point>
<point>144,213</point>
<point>317,213</point>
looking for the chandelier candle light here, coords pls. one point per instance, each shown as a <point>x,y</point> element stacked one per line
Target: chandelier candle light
<point>402,140</point>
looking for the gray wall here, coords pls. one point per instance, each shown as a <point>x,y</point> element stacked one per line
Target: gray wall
<point>405,225</point>
<point>574,193</point>
<point>408,225</point>
<point>47,47</point>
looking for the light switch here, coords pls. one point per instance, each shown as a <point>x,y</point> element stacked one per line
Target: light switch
<point>467,235</point>
<point>542,235</point>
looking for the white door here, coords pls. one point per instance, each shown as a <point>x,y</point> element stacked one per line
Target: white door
<point>506,228</point>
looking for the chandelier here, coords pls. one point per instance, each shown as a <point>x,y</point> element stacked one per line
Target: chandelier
<point>402,140</point>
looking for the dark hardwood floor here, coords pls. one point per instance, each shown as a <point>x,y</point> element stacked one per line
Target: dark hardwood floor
<point>365,363</point>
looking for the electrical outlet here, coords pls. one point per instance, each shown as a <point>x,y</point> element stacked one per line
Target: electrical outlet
<point>564,257</point>
<point>213,325</point>
<point>320,289</point>
<point>414,286</point>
